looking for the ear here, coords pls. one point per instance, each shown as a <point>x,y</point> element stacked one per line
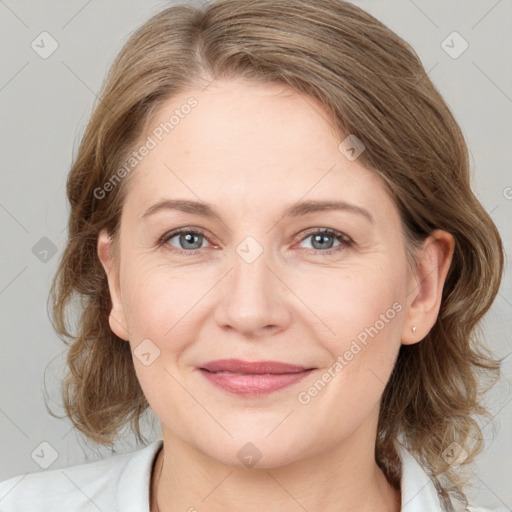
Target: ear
<point>425,286</point>
<point>117,317</point>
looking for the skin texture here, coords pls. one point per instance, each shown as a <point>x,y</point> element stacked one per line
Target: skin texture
<point>251,150</point>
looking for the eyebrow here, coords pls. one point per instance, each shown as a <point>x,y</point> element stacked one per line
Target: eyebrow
<point>294,210</point>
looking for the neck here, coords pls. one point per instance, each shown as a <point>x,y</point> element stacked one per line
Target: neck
<point>343,479</point>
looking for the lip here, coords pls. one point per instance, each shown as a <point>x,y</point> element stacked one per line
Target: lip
<point>251,367</point>
<point>252,378</point>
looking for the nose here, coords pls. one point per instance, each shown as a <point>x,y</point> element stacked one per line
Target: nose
<point>254,300</point>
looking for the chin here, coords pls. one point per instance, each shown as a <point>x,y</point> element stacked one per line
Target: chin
<point>257,451</point>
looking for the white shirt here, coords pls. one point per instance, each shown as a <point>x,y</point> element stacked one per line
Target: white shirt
<point>121,483</point>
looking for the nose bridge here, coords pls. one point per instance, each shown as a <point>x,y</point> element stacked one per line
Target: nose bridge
<point>251,281</point>
<point>250,266</point>
<point>253,297</point>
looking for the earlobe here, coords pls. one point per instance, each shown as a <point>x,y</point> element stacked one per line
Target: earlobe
<point>426,286</point>
<point>117,318</point>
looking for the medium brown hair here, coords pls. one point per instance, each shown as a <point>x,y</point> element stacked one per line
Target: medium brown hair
<point>373,85</point>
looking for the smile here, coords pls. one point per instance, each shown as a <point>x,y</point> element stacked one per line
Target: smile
<point>253,384</point>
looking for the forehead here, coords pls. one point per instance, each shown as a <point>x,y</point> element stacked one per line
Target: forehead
<point>242,143</point>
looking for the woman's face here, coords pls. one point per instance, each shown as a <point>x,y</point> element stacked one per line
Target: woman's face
<point>256,280</point>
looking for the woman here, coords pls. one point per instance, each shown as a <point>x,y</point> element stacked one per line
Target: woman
<point>278,251</point>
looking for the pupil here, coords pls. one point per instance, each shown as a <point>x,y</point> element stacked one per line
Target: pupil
<point>320,238</point>
<point>189,239</point>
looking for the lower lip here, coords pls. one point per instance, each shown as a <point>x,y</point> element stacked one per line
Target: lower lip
<point>251,384</point>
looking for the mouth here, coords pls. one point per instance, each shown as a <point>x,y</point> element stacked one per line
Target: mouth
<point>251,367</point>
<point>252,378</point>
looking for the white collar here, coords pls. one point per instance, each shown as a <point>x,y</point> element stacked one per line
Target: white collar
<point>419,493</point>
<point>417,489</point>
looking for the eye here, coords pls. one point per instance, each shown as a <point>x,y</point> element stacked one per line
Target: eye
<point>189,240</point>
<point>322,240</point>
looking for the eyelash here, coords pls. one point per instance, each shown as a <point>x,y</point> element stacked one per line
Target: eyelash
<point>345,241</point>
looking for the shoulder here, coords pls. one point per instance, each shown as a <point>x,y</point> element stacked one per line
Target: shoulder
<point>83,487</point>
<point>473,508</point>
<point>419,492</point>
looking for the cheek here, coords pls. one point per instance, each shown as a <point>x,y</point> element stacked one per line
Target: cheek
<point>359,319</point>
<point>343,303</point>
<point>159,300</point>
<point>160,312</point>
<point>336,305</point>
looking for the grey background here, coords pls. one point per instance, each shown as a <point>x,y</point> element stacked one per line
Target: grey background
<point>45,104</point>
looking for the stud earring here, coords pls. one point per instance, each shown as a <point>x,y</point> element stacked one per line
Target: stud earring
<point>413,329</point>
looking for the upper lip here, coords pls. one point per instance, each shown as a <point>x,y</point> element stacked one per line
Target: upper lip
<point>251,367</point>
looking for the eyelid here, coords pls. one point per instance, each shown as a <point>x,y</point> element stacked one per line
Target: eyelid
<point>344,239</point>
<point>329,231</point>
<point>178,231</point>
